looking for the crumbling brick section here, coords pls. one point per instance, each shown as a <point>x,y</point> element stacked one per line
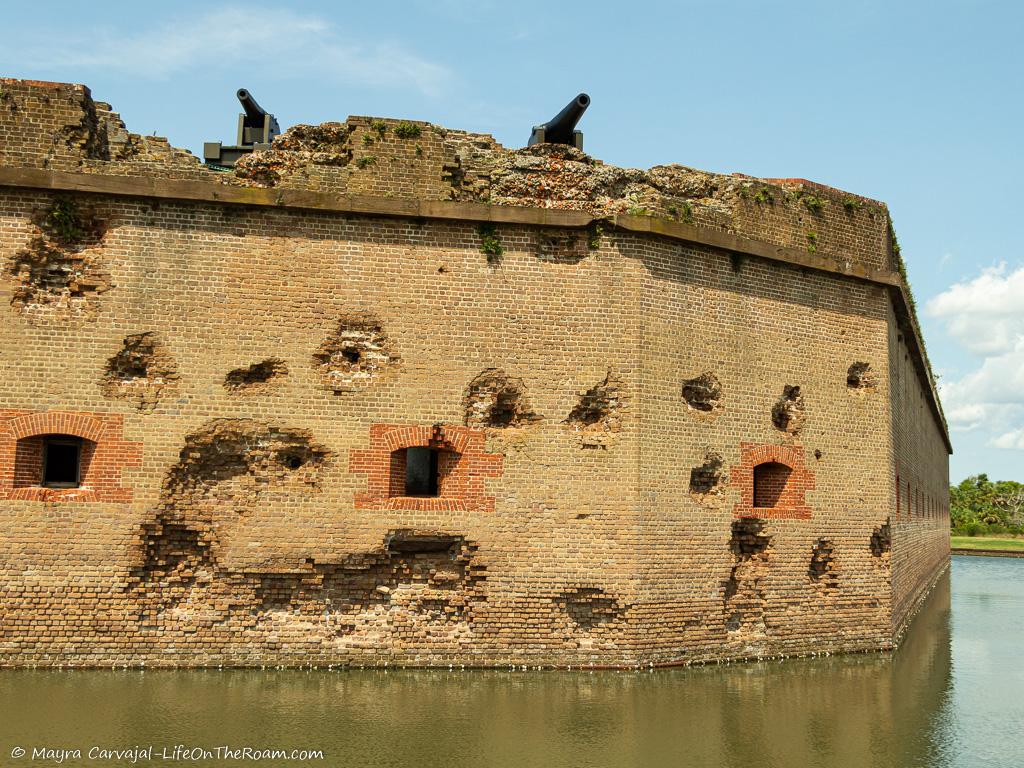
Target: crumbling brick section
<point>708,480</point>
<point>788,413</point>
<point>355,355</point>
<point>597,416</point>
<point>59,271</point>
<point>495,399</point>
<point>256,378</point>
<point>226,464</point>
<point>418,587</point>
<point>589,608</point>
<point>784,496</point>
<point>703,393</point>
<point>464,468</point>
<point>143,370</point>
<point>743,594</point>
<point>881,541</point>
<point>822,570</point>
<point>222,470</point>
<point>860,378</point>
<point>304,151</point>
<point>175,557</point>
<point>105,453</point>
<point>564,246</point>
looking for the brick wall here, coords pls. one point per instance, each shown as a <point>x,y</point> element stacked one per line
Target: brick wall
<point>600,400</point>
<point>919,487</point>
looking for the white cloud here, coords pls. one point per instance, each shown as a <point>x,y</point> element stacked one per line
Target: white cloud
<point>1012,439</point>
<point>986,315</point>
<point>275,40</point>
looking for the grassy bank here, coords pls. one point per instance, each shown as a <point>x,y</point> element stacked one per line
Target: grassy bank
<point>986,542</point>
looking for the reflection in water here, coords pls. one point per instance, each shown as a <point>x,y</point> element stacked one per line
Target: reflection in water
<point>861,710</point>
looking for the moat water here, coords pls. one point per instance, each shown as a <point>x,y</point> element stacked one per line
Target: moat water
<point>953,695</point>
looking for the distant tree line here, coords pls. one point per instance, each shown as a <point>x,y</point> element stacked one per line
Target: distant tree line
<point>979,506</point>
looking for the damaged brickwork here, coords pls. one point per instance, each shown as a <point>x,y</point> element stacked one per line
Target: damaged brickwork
<point>788,413</point>
<point>703,393</point>
<point>708,481</point>
<point>256,378</point>
<point>860,378</point>
<point>881,541</point>
<point>355,355</point>
<point>416,587</point>
<point>597,416</point>
<point>227,463</point>
<point>589,608</point>
<point>143,371</point>
<point>822,571</point>
<point>316,425</point>
<point>743,596</point>
<point>497,400</point>
<point>60,271</point>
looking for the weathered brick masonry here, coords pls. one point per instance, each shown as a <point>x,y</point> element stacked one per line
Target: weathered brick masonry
<point>390,393</point>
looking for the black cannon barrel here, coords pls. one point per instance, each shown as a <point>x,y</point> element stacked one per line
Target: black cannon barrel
<point>558,130</point>
<point>254,113</point>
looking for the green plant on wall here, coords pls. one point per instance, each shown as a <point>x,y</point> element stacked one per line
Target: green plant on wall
<point>366,161</point>
<point>851,204</point>
<point>812,203</point>
<point>764,197</point>
<point>901,267</point>
<point>380,127</point>
<point>490,243</point>
<point>407,130</point>
<point>64,220</point>
<point>812,242</point>
<point>594,232</point>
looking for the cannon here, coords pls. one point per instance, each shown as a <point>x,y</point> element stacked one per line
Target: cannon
<point>256,130</point>
<point>256,126</point>
<point>561,129</point>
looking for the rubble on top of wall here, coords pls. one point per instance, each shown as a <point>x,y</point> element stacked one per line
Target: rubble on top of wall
<point>417,160</point>
<point>301,146</point>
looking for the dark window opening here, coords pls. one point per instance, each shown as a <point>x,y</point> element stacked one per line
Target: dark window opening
<point>421,472</point>
<point>770,481</point>
<point>62,462</point>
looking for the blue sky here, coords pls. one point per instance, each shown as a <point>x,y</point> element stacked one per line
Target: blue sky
<point>914,103</point>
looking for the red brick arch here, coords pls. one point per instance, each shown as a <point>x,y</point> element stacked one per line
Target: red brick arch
<point>57,423</point>
<point>464,472</point>
<point>103,457</point>
<point>791,503</point>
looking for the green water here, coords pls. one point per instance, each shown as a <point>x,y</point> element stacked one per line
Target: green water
<point>953,695</point>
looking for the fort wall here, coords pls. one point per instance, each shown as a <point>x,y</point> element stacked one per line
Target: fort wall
<point>666,420</point>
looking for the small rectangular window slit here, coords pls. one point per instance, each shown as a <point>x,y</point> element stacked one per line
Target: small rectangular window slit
<point>421,472</point>
<point>62,462</point>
